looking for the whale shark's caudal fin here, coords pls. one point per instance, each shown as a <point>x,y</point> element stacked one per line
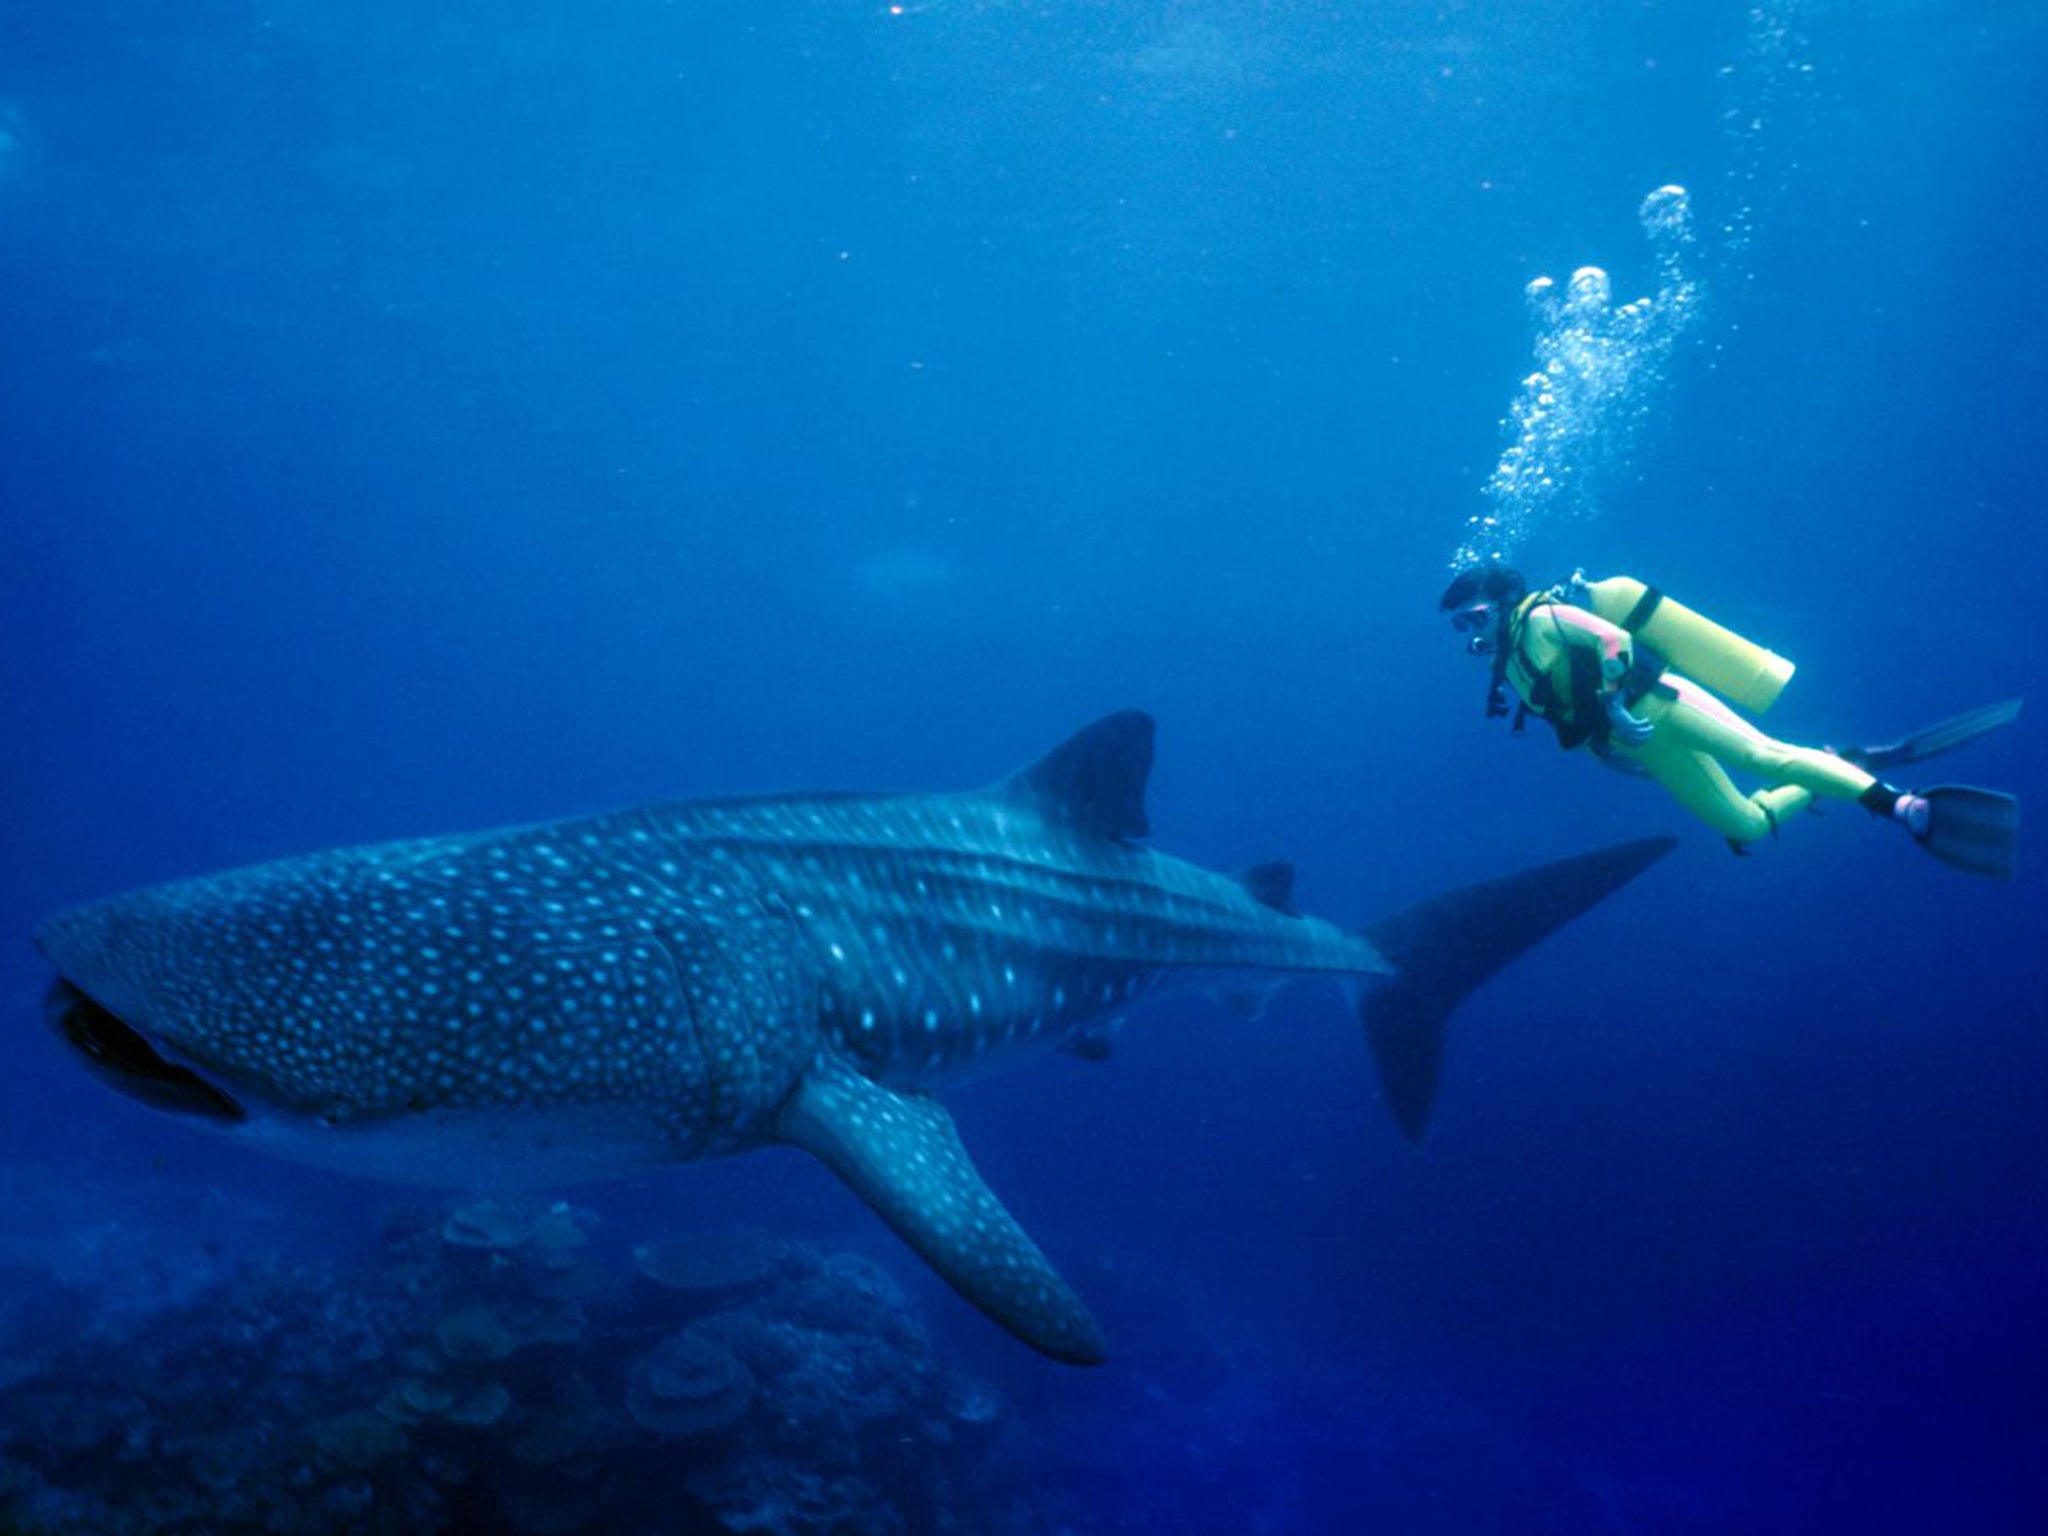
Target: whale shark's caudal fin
<point>1442,948</point>
<point>901,1154</point>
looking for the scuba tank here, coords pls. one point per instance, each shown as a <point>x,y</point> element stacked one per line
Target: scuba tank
<point>1739,670</point>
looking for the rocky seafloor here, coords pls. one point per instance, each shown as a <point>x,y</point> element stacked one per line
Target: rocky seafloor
<point>493,1369</point>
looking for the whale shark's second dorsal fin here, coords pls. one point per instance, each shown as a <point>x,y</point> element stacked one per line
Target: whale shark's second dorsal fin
<point>900,1153</point>
<point>1094,781</point>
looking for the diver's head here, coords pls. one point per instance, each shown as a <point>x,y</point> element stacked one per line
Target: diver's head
<point>1479,601</point>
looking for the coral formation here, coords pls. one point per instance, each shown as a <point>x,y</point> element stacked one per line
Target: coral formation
<point>494,1370</point>
<point>708,1266</point>
<point>474,1334</point>
<point>689,1385</point>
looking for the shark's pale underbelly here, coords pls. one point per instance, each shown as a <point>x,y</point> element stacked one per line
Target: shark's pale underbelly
<point>504,1148</point>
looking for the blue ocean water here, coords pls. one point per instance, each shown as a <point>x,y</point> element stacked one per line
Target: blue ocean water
<point>417,418</point>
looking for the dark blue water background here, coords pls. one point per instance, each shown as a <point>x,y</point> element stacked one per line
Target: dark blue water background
<point>422,417</point>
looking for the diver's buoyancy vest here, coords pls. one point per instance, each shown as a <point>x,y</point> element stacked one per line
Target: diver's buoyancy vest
<point>1575,710</point>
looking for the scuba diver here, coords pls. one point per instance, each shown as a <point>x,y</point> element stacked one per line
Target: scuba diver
<point>1596,660</point>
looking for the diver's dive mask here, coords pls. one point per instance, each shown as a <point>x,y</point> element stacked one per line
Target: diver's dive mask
<point>1481,621</point>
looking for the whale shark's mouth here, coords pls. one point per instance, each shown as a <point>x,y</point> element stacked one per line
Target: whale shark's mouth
<point>128,1062</point>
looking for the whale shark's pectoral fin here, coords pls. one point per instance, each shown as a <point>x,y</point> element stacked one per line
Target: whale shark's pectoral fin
<point>901,1154</point>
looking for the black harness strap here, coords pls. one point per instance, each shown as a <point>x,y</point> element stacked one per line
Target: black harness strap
<point>1646,607</point>
<point>1646,669</point>
<point>1588,719</point>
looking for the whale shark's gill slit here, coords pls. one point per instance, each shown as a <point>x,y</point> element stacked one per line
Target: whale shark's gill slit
<point>129,1062</point>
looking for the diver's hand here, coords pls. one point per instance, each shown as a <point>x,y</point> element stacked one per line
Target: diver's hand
<point>1630,730</point>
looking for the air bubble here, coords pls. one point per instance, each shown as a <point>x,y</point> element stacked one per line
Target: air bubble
<point>1576,414</point>
<point>1667,213</point>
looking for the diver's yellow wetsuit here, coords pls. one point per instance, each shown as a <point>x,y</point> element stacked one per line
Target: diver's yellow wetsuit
<point>1564,660</point>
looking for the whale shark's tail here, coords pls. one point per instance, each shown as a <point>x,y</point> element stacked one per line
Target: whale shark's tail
<point>1442,948</point>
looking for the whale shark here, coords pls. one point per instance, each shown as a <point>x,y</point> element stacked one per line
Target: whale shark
<point>589,998</point>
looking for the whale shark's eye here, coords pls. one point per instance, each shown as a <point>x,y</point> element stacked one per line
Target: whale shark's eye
<point>129,1062</point>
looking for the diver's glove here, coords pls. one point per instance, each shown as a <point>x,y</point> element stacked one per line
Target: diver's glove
<point>1630,730</point>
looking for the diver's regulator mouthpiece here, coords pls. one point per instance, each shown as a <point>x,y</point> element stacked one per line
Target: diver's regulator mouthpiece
<point>1481,621</point>
<point>1473,617</point>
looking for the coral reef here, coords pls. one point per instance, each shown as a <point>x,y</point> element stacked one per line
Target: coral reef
<point>495,1369</point>
<point>711,1266</point>
<point>689,1385</point>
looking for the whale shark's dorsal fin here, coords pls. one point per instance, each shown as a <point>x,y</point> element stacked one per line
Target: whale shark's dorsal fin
<point>901,1154</point>
<point>1094,781</point>
<point>1271,885</point>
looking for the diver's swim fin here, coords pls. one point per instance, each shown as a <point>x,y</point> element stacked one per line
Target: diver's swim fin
<point>1971,829</point>
<point>1936,739</point>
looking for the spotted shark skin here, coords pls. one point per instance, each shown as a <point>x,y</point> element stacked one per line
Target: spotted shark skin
<point>667,983</point>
